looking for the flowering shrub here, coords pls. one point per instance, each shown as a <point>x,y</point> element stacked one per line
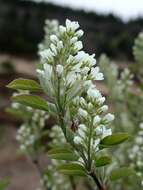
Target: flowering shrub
<point>126,98</point>
<point>67,75</point>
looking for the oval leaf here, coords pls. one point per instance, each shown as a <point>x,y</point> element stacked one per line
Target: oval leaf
<point>114,139</point>
<point>121,173</point>
<point>102,161</point>
<point>32,101</point>
<point>25,84</point>
<point>62,154</point>
<point>73,169</point>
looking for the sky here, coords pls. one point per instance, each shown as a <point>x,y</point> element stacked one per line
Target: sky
<point>126,9</point>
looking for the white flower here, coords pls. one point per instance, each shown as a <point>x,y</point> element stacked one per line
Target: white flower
<point>71,26</point>
<point>90,106</point>
<point>98,130</point>
<point>53,48</point>
<point>106,132</point>
<point>79,33</point>
<point>59,70</point>
<point>73,40</point>
<point>96,120</point>
<point>141,125</point>
<point>62,30</point>
<point>59,45</point>
<point>96,143</point>
<point>104,108</point>
<point>54,39</point>
<point>101,130</point>
<point>77,140</point>
<point>89,59</point>
<point>96,75</point>
<point>81,133</point>
<point>78,45</point>
<point>82,127</point>
<point>93,93</point>
<point>46,54</point>
<point>83,113</point>
<point>88,84</point>
<point>101,100</point>
<point>48,70</point>
<point>85,70</point>
<point>82,101</point>
<point>81,55</point>
<point>109,117</point>
<point>71,78</point>
<point>40,72</point>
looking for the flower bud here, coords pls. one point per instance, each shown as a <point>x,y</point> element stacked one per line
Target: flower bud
<point>62,30</point>
<point>109,117</point>
<point>78,45</point>
<point>83,113</point>
<point>82,127</point>
<point>81,133</point>
<point>71,26</point>
<point>59,45</point>
<point>93,93</point>
<point>77,140</point>
<point>82,101</point>
<point>96,120</point>
<point>79,33</point>
<point>53,48</point>
<point>73,40</point>
<point>101,100</point>
<point>54,39</point>
<point>104,108</point>
<point>59,70</point>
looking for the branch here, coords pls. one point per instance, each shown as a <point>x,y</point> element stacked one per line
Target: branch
<point>37,165</point>
<point>96,180</point>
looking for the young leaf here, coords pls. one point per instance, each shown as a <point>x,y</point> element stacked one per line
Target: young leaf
<point>32,101</point>
<point>121,173</point>
<point>102,161</point>
<point>72,169</point>
<point>114,139</point>
<point>62,154</point>
<point>25,84</point>
<point>18,113</point>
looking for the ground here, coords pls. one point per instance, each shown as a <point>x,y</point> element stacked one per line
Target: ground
<point>19,168</point>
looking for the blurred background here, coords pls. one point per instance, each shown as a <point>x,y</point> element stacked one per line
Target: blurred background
<point>110,26</point>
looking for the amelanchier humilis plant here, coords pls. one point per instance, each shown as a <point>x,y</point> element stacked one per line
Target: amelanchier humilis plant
<point>126,98</point>
<point>138,56</point>
<point>66,77</point>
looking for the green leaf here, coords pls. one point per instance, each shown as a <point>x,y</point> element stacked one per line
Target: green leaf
<point>32,101</point>
<point>25,84</point>
<point>18,113</point>
<point>73,169</point>
<point>62,154</point>
<point>114,139</point>
<point>102,161</point>
<point>121,173</point>
<point>4,183</point>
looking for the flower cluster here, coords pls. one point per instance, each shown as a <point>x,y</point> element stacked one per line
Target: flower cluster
<point>51,27</point>
<point>135,153</point>
<point>29,132</point>
<point>67,77</point>
<point>64,59</point>
<point>93,120</point>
